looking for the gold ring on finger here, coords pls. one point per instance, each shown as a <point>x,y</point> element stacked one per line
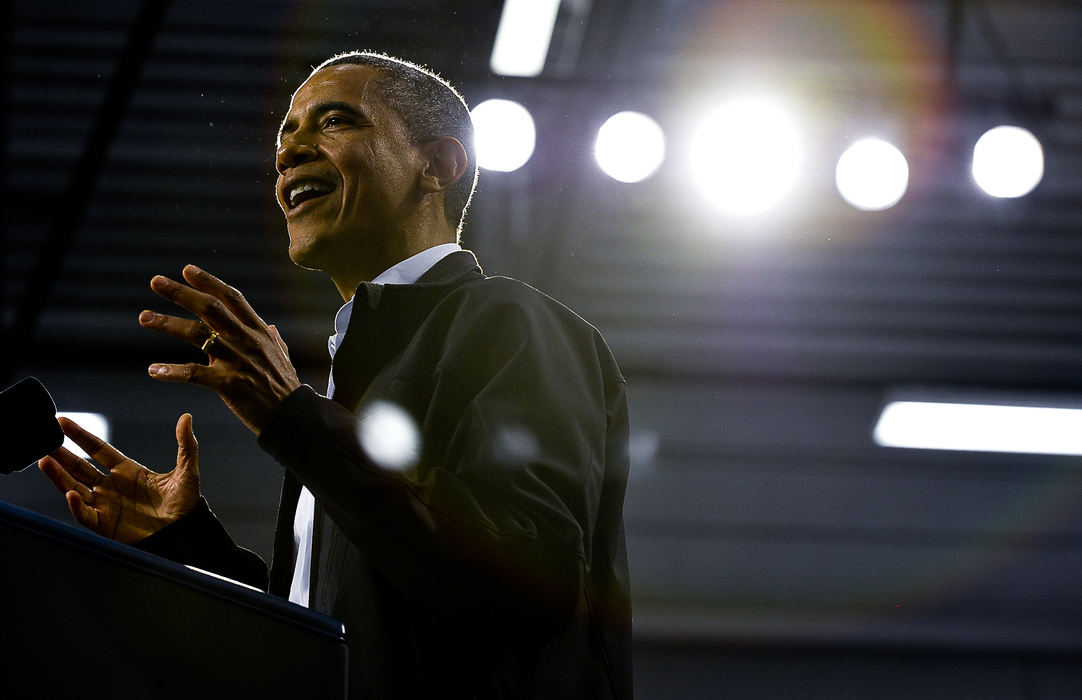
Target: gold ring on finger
<point>209,342</point>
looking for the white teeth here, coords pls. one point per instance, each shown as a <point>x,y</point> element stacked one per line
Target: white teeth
<point>304,187</point>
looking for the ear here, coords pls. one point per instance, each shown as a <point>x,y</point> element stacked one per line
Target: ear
<point>445,163</point>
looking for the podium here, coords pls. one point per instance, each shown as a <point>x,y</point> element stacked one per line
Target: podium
<point>85,617</point>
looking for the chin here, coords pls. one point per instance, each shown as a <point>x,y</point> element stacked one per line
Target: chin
<point>304,254</point>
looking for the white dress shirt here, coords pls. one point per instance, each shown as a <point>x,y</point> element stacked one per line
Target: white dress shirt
<point>406,272</point>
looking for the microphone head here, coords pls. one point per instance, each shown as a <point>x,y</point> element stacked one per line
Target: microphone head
<point>29,425</point>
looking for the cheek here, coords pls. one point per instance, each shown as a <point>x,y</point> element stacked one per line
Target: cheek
<point>356,176</point>
<point>371,176</point>
<point>393,176</point>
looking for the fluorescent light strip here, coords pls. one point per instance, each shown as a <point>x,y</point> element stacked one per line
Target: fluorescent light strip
<point>523,37</point>
<point>981,427</point>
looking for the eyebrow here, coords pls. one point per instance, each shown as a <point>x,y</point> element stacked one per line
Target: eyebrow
<point>289,124</point>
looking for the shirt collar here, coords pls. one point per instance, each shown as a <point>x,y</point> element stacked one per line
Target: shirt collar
<point>407,271</point>
<point>410,270</point>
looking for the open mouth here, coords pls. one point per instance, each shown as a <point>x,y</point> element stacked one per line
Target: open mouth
<point>305,190</point>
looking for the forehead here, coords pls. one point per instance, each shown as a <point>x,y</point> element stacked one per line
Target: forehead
<point>345,82</point>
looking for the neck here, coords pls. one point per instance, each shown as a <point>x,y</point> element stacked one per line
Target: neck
<point>371,263</point>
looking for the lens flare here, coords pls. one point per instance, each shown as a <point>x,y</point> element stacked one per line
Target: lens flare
<point>390,436</point>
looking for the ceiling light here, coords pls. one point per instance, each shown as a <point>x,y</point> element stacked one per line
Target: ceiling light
<point>982,427</point>
<point>630,147</point>
<point>523,37</point>
<point>1008,162</point>
<point>505,135</point>
<point>872,175</point>
<point>746,156</point>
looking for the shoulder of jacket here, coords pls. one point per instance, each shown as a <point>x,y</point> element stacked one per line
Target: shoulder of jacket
<point>506,299</point>
<point>507,290</point>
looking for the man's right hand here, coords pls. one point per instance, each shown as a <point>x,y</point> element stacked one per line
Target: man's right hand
<point>127,502</point>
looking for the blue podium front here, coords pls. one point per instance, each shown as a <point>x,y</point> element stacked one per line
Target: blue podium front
<point>83,616</point>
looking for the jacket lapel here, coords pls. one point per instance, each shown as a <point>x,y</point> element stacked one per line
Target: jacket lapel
<point>385,318</point>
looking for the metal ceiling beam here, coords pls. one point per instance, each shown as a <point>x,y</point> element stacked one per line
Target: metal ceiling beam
<point>72,208</point>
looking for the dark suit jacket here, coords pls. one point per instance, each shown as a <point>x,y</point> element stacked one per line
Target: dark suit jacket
<point>494,566</point>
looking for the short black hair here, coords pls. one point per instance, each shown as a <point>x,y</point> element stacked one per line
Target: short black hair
<point>430,107</point>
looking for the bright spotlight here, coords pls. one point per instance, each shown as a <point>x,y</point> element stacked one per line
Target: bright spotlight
<point>505,135</point>
<point>1008,162</point>
<point>630,147</point>
<point>746,156</point>
<point>872,175</point>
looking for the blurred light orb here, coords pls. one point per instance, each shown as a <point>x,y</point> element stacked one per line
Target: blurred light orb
<point>746,156</point>
<point>1008,162</point>
<point>516,445</point>
<point>390,437</point>
<point>504,134</point>
<point>630,147</point>
<point>872,175</point>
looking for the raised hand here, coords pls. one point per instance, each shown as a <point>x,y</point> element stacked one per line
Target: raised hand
<point>249,366</point>
<point>128,501</point>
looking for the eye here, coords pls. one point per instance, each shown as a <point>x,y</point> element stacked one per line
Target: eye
<point>334,120</point>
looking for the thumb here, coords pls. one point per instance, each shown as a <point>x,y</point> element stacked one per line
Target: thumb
<point>187,448</point>
<point>83,513</point>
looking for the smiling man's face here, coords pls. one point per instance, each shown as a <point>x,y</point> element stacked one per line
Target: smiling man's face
<point>347,172</point>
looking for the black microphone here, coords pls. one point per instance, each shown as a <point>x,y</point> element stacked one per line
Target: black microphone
<point>29,425</point>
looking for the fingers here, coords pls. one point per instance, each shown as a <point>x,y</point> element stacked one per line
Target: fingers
<point>229,296</point>
<point>206,282</point>
<point>195,332</point>
<point>64,481</point>
<point>222,308</point>
<point>76,494</point>
<point>212,310</point>
<point>83,513</point>
<point>76,467</point>
<point>278,339</point>
<point>99,450</point>
<point>189,373</point>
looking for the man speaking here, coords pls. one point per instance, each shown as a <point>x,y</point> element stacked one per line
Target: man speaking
<point>490,561</point>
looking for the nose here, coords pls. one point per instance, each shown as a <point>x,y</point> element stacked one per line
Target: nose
<point>293,152</point>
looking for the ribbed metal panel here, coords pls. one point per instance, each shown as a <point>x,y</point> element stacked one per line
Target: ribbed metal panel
<point>757,355</point>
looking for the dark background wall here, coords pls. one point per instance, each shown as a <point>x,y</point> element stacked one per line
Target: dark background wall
<point>776,551</point>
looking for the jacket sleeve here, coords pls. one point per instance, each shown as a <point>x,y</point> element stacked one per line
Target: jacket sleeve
<point>198,539</point>
<point>494,520</point>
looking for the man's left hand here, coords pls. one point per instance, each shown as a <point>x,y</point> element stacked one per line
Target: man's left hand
<point>249,364</point>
